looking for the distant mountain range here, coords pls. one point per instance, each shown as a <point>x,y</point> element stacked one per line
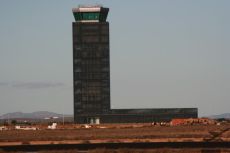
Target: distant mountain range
<point>225,115</point>
<point>46,114</point>
<point>34,115</point>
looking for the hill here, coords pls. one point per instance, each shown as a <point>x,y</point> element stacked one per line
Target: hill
<point>33,115</point>
<point>225,115</point>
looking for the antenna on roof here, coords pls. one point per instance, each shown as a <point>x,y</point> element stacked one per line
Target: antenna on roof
<point>88,5</point>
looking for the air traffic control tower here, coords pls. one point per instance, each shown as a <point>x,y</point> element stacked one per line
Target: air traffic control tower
<point>91,63</point>
<point>91,75</point>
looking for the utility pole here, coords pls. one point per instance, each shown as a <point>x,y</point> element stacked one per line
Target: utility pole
<point>63,119</point>
<point>8,119</point>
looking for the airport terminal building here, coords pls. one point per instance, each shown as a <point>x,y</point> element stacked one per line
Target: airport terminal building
<point>91,75</point>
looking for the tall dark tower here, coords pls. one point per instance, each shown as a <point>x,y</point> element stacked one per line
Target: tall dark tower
<point>91,66</point>
<point>91,75</point>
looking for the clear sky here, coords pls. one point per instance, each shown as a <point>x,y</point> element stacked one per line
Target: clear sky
<point>164,53</point>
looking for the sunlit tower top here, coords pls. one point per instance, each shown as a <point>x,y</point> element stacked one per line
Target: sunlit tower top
<point>95,13</point>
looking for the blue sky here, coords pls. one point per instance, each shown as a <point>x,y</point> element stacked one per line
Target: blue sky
<point>164,53</point>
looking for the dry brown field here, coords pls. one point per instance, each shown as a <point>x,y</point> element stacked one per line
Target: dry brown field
<point>126,150</point>
<point>76,134</point>
<point>119,133</point>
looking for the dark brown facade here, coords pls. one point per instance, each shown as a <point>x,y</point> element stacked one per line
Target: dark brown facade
<point>91,68</point>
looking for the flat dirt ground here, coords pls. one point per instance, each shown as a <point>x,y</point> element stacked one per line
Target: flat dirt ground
<point>120,133</point>
<point>126,150</point>
<point>132,132</point>
<point>150,151</point>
